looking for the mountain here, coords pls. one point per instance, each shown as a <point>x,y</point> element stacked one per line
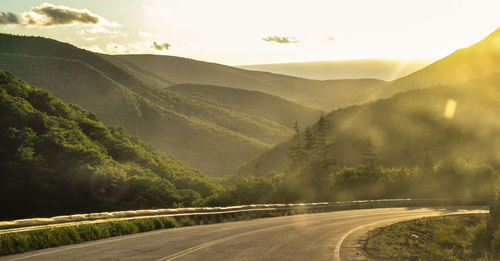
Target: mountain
<point>214,139</point>
<point>384,69</point>
<point>410,128</point>
<point>311,93</point>
<point>57,158</point>
<point>255,104</point>
<point>143,75</point>
<point>478,61</point>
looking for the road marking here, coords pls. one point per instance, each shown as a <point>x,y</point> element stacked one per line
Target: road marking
<point>211,243</point>
<point>64,248</point>
<point>339,215</point>
<point>221,240</point>
<point>109,240</point>
<point>341,240</point>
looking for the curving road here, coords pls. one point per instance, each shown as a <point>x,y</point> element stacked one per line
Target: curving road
<point>323,236</point>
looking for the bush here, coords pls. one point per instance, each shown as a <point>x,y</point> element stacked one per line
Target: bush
<point>20,242</point>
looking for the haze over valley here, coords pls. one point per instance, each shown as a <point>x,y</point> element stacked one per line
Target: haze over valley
<point>189,104</point>
<point>382,69</point>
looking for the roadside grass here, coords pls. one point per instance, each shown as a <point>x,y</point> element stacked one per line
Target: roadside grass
<point>19,242</point>
<point>454,237</point>
<point>51,237</point>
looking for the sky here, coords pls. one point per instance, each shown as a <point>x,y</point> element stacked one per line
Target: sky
<point>238,32</point>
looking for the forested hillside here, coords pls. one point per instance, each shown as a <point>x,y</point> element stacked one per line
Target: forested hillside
<point>475,62</point>
<point>60,159</point>
<point>214,139</point>
<point>410,128</point>
<point>253,103</point>
<point>414,145</point>
<point>323,95</point>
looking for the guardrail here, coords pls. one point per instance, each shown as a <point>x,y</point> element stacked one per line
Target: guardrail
<point>240,212</point>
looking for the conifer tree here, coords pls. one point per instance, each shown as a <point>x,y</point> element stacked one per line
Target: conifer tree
<point>296,154</point>
<point>369,157</point>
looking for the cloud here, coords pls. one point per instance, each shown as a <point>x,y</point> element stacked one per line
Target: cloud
<point>144,34</point>
<point>48,14</point>
<point>93,48</point>
<point>160,46</point>
<point>8,18</point>
<point>281,40</point>
<point>91,32</point>
<point>114,48</point>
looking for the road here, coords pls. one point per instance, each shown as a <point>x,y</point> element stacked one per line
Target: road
<point>322,236</point>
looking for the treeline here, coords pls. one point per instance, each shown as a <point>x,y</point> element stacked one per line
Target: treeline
<point>56,158</point>
<point>313,175</point>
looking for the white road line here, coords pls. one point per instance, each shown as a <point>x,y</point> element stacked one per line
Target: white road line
<point>393,220</point>
<point>205,245</point>
<point>221,240</point>
<point>65,248</point>
<point>108,240</point>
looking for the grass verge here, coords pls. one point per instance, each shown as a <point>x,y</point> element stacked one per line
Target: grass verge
<point>19,242</point>
<point>455,237</point>
<point>51,237</point>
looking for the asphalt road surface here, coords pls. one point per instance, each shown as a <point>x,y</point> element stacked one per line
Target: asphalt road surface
<point>322,236</point>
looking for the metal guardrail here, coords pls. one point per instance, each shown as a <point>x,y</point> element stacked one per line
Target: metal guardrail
<point>241,211</point>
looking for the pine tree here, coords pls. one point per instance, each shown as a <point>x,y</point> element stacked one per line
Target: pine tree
<point>296,127</point>
<point>296,153</point>
<point>369,157</point>
<point>322,128</point>
<point>309,139</point>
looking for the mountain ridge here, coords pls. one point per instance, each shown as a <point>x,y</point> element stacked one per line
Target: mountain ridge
<point>409,126</point>
<point>200,133</point>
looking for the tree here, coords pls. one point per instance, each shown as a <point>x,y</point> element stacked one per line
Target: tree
<point>322,128</point>
<point>369,157</point>
<point>309,139</point>
<point>296,153</point>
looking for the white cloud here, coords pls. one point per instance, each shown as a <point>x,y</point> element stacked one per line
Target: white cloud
<point>114,48</point>
<point>281,39</point>
<point>93,48</point>
<point>144,34</point>
<point>92,32</point>
<point>48,14</point>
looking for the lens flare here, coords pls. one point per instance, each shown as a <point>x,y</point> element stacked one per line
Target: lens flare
<point>449,110</point>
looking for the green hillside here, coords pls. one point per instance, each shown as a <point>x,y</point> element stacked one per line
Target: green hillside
<point>143,75</point>
<point>409,129</point>
<point>58,158</point>
<point>214,139</point>
<point>324,95</point>
<point>405,146</point>
<point>474,62</point>
<point>253,103</point>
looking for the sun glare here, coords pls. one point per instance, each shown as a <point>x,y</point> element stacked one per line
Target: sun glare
<point>449,110</point>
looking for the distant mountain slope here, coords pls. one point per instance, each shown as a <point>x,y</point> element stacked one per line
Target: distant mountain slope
<point>384,69</point>
<point>215,140</point>
<point>254,103</point>
<point>59,159</point>
<point>344,93</point>
<point>143,75</point>
<point>312,93</point>
<point>410,129</point>
<point>478,61</point>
